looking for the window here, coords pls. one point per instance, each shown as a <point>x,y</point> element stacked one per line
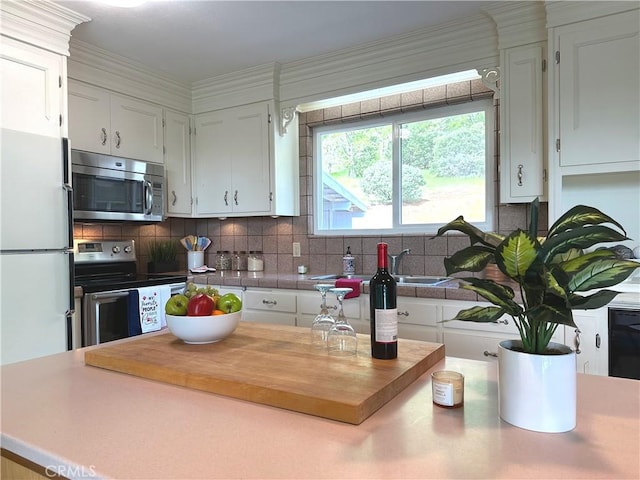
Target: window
<point>407,173</point>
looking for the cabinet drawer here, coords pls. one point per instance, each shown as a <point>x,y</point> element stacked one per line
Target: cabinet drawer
<point>270,301</point>
<point>417,313</point>
<point>472,346</point>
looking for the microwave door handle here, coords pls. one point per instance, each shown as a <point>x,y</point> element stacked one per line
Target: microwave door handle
<point>148,189</point>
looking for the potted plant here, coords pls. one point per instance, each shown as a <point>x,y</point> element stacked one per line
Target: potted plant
<point>163,256</point>
<point>547,274</point>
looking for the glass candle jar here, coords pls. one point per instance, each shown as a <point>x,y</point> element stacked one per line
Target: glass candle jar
<point>239,261</point>
<point>448,389</point>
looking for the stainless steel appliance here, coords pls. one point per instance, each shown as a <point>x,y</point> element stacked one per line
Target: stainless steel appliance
<point>107,273</point>
<point>624,343</point>
<point>115,188</point>
<point>36,294</point>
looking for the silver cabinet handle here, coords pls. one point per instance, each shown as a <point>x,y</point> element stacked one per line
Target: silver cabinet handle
<point>118,139</point>
<point>576,341</point>
<point>104,136</point>
<point>597,340</point>
<point>175,198</point>
<point>226,196</point>
<point>269,302</point>
<point>235,197</point>
<point>520,167</point>
<point>487,353</point>
<point>503,322</point>
<point>404,314</point>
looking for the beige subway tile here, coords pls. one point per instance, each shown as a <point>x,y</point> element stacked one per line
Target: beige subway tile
<point>391,102</point>
<point>370,106</point>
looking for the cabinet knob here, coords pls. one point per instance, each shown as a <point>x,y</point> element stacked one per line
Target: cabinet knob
<point>404,314</point>
<point>503,322</point>
<point>118,139</point>
<point>576,341</point>
<point>269,302</point>
<point>520,167</point>
<point>104,136</point>
<point>175,198</point>
<point>487,353</point>
<point>226,196</point>
<point>235,197</point>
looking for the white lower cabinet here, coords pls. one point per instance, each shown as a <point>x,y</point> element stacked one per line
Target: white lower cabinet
<point>269,306</point>
<point>475,340</point>
<point>591,344</point>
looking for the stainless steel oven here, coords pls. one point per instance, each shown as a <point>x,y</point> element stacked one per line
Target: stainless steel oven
<point>624,342</point>
<point>107,273</point>
<point>114,188</point>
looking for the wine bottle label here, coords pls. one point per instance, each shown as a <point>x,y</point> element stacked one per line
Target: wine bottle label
<point>386,325</point>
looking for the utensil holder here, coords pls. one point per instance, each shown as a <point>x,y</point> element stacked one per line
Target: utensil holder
<point>195,259</point>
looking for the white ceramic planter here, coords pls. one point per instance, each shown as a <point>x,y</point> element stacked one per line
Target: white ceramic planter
<point>537,392</point>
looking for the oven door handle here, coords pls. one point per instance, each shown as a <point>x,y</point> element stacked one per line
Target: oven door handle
<point>100,296</point>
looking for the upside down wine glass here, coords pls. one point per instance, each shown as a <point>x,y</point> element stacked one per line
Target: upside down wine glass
<point>323,321</point>
<point>342,339</point>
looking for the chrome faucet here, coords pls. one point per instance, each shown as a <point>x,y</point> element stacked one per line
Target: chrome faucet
<point>395,260</point>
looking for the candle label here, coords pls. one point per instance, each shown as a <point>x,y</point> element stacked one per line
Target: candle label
<point>443,394</point>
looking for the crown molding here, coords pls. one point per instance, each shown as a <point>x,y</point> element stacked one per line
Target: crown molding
<point>237,88</point>
<point>403,58</point>
<point>564,12</point>
<point>39,22</point>
<point>518,23</point>
<point>99,67</point>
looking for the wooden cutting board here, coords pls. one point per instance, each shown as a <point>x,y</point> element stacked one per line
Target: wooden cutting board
<point>275,365</point>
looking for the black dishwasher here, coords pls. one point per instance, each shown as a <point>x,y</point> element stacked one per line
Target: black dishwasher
<point>624,343</point>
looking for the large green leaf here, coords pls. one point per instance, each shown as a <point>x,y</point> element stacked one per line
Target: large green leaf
<point>479,314</point>
<point>591,302</point>
<point>578,263</point>
<point>497,294</point>
<point>515,255</point>
<point>474,233</point>
<point>600,273</point>
<point>552,312</point>
<point>470,259</point>
<point>578,238</point>
<point>580,216</point>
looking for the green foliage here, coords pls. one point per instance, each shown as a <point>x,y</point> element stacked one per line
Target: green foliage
<point>163,250</point>
<point>376,182</point>
<point>546,271</point>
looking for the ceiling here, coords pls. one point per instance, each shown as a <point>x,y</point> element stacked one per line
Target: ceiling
<point>192,40</point>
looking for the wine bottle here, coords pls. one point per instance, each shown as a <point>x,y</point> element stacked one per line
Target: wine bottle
<point>383,311</point>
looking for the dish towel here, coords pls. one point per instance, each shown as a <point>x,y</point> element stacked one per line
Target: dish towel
<point>353,283</point>
<point>151,302</point>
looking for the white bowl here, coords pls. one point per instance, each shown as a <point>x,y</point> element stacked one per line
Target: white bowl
<point>207,329</point>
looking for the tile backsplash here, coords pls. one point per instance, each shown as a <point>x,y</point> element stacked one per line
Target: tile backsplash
<point>275,236</point>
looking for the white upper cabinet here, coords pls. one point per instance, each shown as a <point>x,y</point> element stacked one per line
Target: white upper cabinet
<point>598,97</point>
<point>177,160</point>
<point>32,82</point>
<point>103,122</point>
<point>522,139</point>
<point>242,166</point>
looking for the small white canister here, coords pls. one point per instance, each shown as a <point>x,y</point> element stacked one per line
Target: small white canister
<point>348,263</point>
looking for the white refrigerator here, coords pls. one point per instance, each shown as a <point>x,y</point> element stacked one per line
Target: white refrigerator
<point>36,240</point>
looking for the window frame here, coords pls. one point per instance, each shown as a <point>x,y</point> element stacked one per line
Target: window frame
<point>395,119</point>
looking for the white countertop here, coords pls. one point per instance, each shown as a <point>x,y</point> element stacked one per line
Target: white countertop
<point>64,415</point>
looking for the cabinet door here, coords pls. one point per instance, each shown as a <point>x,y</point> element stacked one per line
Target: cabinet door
<point>212,165</point>
<point>31,89</point>
<point>89,118</point>
<point>599,90</point>
<point>250,159</point>
<point>522,159</point>
<point>136,129</point>
<point>591,344</point>
<point>177,162</point>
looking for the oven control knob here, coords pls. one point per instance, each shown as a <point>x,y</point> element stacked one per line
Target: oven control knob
<point>127,249</point>
<point>115,249</point>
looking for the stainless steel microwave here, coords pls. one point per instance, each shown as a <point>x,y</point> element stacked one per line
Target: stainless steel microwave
<point>107,188</point>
